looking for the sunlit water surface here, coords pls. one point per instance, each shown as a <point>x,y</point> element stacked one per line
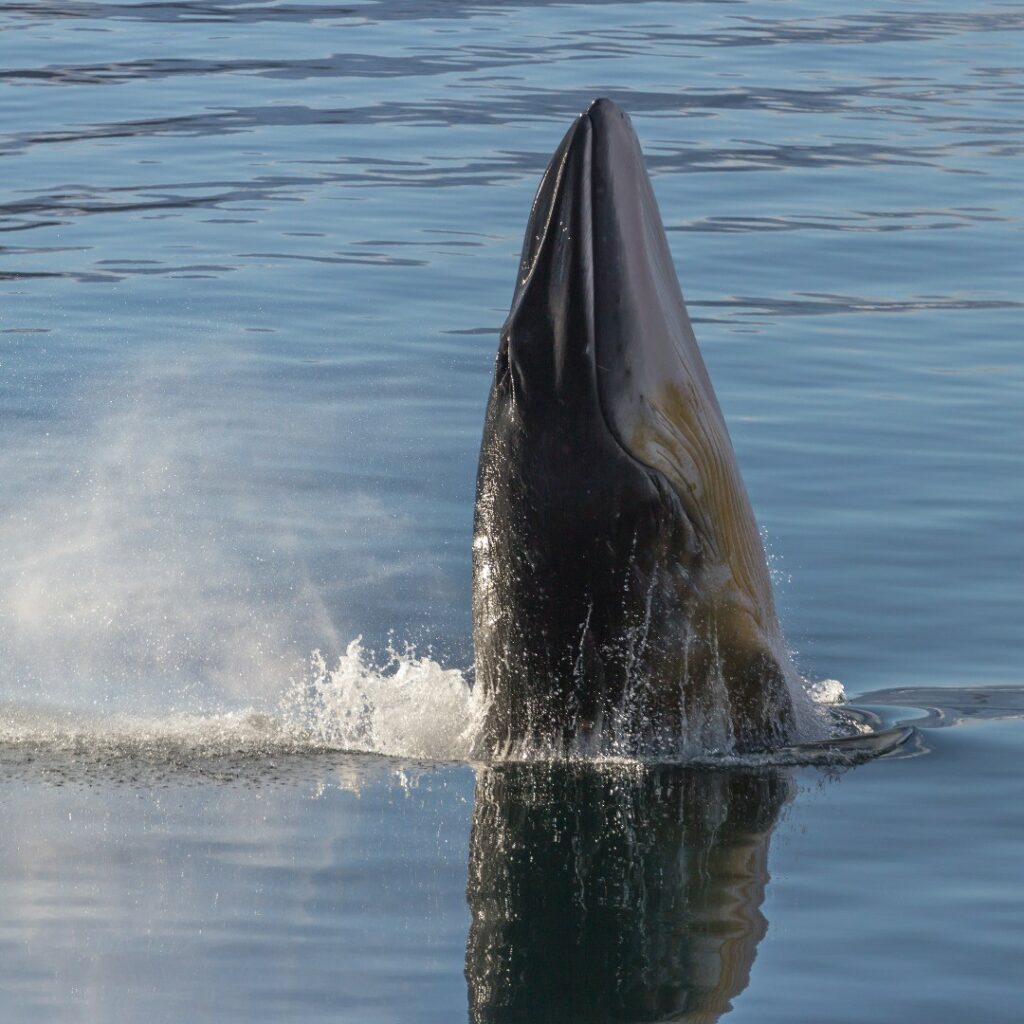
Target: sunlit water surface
<point>254,258</point>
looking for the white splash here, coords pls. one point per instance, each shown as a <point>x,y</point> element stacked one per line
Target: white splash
<point>412,707</point>
<point>827,691</point>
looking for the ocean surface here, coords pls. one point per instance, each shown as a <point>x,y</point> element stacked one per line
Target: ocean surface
<point>253,262</point>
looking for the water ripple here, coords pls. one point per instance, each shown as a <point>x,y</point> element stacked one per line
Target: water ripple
<point>338,190</point>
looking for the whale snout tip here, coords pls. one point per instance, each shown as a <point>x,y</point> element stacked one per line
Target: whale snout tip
<point>601,106</point>
<point>609,130</point>
<point>607,116</point>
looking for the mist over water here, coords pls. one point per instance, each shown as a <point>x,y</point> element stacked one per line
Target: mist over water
<point>129,577</point>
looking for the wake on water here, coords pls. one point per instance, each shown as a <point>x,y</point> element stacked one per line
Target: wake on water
<point>411,708</point>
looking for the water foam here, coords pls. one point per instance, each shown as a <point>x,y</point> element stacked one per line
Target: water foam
<point>413,707</point>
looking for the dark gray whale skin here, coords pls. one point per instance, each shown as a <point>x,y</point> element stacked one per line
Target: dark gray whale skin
<point>620,591</point>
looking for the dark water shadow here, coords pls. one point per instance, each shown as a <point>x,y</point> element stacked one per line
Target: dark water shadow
<point>616,893</point>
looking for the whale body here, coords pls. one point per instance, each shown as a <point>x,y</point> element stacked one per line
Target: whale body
<point>621,598</point>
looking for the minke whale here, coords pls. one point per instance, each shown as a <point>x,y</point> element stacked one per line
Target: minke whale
<point>621,598</point>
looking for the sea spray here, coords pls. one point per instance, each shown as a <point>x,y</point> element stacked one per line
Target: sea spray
<point>410,707</point>
<point>413,707</point>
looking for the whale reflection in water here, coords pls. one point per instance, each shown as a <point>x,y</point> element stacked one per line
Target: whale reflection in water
<point>616,893</point>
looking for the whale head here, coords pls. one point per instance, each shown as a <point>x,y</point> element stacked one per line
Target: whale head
<point>619,576</point>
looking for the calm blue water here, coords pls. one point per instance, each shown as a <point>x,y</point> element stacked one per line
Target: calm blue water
<point>254,257</point>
